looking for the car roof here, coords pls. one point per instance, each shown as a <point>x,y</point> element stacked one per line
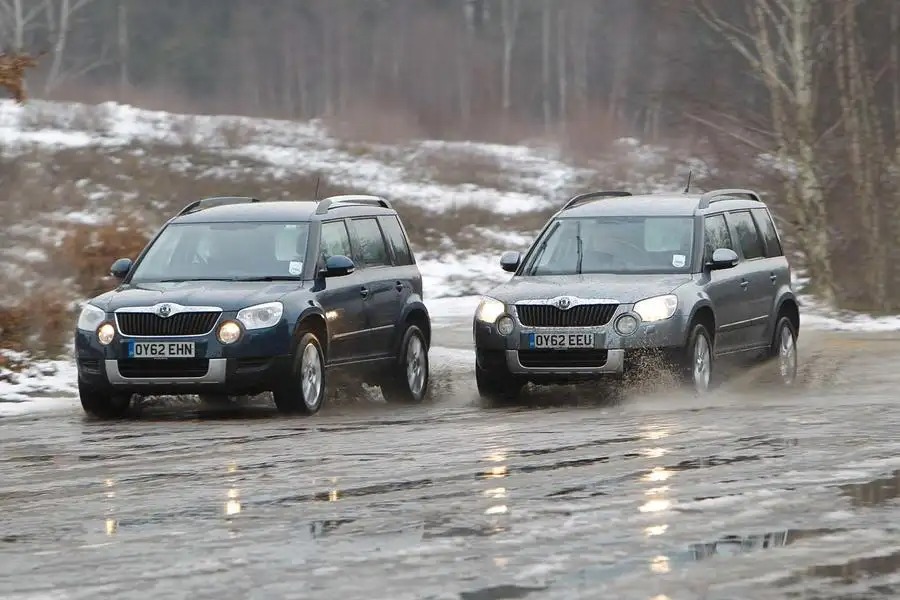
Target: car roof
<point>237,209</point>
<point>658,204</point>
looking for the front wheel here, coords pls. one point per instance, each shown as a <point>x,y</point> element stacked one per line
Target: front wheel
<point>408,383</point>
<point>698,360</point>
<point>784,350</point>
<point>103,404</point>
<point>304,390</point>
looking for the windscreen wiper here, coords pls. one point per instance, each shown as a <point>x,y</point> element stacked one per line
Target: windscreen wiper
<point>580,246</point>
<point>267,278</point>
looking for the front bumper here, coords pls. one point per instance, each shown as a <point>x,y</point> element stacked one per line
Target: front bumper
<point>611,354</point>
<point>258,362</point>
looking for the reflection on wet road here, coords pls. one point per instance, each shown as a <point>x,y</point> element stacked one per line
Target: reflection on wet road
<point>746,494</point>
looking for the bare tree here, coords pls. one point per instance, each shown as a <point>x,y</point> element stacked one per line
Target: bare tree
<point>509,22</point>
<point>780,43</point>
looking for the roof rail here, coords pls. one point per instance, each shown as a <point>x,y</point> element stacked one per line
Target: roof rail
<point>214,201</point>
<point>350,200</point>
<point>594,195</point>
<point>717,195</point>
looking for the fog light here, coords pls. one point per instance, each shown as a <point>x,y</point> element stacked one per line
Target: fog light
<point>626,325</point>
<point>229,332</point>
<point>505,326</point>
<point>106,333</point>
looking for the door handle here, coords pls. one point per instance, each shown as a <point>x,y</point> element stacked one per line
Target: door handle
<point>744,283</point>
<point>364,292</point>
<point>773,277</point>
<point>399,286</point>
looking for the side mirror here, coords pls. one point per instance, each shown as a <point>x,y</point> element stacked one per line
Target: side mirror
<point>510,261</point>
<point>723,258</point>
<point>338,266</point>
<point>120,268</point>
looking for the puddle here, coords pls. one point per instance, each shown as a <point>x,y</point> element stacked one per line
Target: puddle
<point>732,545</point>
<point>500,592</point>
<point>874,492</point>
<point>851,571</point>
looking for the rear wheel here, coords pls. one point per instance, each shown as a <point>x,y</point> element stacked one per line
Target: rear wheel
<point>408,383</point>
<point>784,351</point>
<point>698,361</point>
<point>103,404</point>
<point>304,390</point>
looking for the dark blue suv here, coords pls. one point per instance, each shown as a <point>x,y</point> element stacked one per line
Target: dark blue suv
<point>234,296</point>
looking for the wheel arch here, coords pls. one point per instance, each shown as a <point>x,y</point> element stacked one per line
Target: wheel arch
<point>415,313</point>
<point>703,313</point>
<point>313,320</point>
<point>788,307</point>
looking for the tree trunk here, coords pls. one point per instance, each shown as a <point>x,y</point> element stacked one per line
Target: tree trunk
<point>123,44</point>
<point>509,23</point>
<point>562,83</point>
<point>546,28</point>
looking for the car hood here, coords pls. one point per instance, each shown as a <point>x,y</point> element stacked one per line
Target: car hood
<point>228,295</point>
<point>625,289</point>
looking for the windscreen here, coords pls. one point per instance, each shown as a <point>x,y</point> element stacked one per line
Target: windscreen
<point>227,251</point>
<point>614,245</point>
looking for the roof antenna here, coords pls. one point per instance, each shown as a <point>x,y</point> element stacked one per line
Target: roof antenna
<point>687,188</point>
<point>316,195</point>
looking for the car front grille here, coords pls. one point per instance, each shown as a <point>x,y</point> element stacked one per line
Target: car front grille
<point>563,358</point>
<point>584,315</point>
<point>134,368</point>
<point>149,324</point>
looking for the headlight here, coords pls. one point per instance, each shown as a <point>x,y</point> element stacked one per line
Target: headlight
<point>106,333</point>
<point>657,308</point>
<point>489,310</point>
<point>229,332</point>
<point>261,315</point>
<point>90,318</point>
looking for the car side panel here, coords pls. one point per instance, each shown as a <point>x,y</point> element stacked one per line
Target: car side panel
<point>750,331</point>
<point>342,305</point>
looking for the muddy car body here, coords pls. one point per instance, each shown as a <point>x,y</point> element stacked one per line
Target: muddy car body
<point>691,278</point>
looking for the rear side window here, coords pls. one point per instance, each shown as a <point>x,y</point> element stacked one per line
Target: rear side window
<point>717,236</point>
<point>769,233</point>
<point>335,240</point>
<point>370,242</point>
<point>747,235</point>
<point>397,240</point>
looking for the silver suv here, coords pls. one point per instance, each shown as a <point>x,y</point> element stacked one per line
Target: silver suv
<point>695,278</point>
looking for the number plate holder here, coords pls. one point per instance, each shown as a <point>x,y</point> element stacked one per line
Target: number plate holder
<point>145,350</point>
<point>561,340</point>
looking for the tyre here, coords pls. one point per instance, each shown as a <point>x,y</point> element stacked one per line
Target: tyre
<point>303,392</point>
<point>784,351</point>
<point>698,367</point>
<point>497,387</point>
<point>408,382</point>
<point>103,404</point>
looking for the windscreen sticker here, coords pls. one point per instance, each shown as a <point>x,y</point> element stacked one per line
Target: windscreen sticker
<point>295,267</point>
<point>678,260</point>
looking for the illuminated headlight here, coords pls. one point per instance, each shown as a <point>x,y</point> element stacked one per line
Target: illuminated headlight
<point>505,325</point>
<point>229,332</point>
<point>261,315</point>
<point>106,333</point>
<point>626,325</point>
<point>489,310</point>
<point>657,308</point>
<point>90,318</point>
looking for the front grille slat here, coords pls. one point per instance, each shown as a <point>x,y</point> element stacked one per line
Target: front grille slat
<point>574,358</point>
<point>149,324</point>
<point>583,315</point>
<point>132,368</point>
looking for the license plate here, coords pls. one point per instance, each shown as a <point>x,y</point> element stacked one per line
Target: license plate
<point>160,349</point>
<point>561,340</point>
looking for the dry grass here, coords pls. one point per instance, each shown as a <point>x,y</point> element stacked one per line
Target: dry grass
<point>463,168</point>
<point>44,332</point>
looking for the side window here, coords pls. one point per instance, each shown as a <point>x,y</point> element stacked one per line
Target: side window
<point>716,235</point>
<point>397,240</point>
<point>370,243</point>
<point>769,233</point>
<point>747,235</point>
<point>335,240</point>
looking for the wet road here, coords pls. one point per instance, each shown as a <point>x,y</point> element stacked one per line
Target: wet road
<point>745,494</point>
